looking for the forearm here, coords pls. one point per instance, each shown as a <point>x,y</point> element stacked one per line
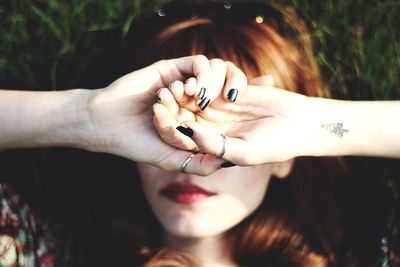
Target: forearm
<point>359,128</point>
<point>40,119</point>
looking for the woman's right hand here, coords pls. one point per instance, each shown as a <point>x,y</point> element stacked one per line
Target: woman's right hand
<point>120,115</point>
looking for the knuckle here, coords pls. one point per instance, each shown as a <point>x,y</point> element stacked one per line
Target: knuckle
<point>217,61</point>
<point>218,64</point>
<point>229,64</point>
<point>200,58</point>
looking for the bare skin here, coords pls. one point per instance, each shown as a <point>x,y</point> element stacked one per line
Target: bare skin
<point>268,124</point>
<point>116,119</point>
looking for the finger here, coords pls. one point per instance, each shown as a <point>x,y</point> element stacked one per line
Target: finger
<point>218,72</point>
<point>197,66</point>
<point>237,150</point>
<point>265,80</point>
<point>215,85</point>
<point>166,124</point>
<point>200,164</point>
<point>190,88</point>
<point>167,99</point>
<point>236,82</point>
<point>203,164</point>
<point>177,89</point>
<point>190,97</point>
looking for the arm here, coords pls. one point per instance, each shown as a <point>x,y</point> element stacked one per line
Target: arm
<point>37,119</point>
<point>268,125</point>
<point>116,119</point>
<point>359,128</point>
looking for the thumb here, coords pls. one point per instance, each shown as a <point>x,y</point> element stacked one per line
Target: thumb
<point>231,149</point>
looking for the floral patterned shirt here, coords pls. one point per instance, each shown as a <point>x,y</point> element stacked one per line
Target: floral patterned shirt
<point>24,240</point>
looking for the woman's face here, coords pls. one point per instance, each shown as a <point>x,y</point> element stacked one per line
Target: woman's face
<point>194,206</point>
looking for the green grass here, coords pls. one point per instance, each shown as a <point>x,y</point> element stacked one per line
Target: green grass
<point>36,35</point>
<point>357,42</point>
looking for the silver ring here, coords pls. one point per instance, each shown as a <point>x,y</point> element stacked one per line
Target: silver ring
<point>186,162</point>
<point>223,147</point>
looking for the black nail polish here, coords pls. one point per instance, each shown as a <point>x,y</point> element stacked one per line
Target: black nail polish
<point>186,131</point>
<point>202,93</point>
<point>204,103</point>
<point>227,164</point>
<point>232,95</point>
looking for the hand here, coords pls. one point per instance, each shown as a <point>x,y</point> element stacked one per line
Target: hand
<point>178,103</point>
<point>121,117</point>
<point>265,125</point>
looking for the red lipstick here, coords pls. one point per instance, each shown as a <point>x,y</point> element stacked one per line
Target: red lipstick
<point>185,193</point>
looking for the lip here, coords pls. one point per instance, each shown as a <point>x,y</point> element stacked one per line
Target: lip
<point>185,193</point>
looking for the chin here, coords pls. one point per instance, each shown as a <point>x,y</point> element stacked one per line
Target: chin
<point>186,225</point>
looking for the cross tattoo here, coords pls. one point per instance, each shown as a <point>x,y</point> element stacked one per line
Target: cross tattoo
<point>335,128</point>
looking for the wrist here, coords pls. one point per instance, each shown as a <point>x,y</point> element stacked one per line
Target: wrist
<point>81,129</point>
<point>367,126</point>
<point>69,123</point>
<point>334,130</point>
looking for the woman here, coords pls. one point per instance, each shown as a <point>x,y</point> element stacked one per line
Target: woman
<point>228,218</point>
<point>113,118</point>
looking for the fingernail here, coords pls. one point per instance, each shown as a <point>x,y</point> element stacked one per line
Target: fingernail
<point>186,131</point>
<point>232,95</point>
<point>204,103</point>
<point>227,164</point>
<point>202,93</point>
<point>158,94</point>
<point>154,106</point>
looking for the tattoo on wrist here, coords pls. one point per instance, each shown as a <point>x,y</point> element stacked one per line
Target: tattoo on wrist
<point>335,128</point>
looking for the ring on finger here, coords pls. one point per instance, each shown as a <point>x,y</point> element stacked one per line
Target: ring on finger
<point>186,162</point>
<point>223,147</point>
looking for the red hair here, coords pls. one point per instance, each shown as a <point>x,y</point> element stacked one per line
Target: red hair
<point>298,223</point>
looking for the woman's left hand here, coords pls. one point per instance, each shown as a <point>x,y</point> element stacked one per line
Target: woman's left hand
<point>265,125</point>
